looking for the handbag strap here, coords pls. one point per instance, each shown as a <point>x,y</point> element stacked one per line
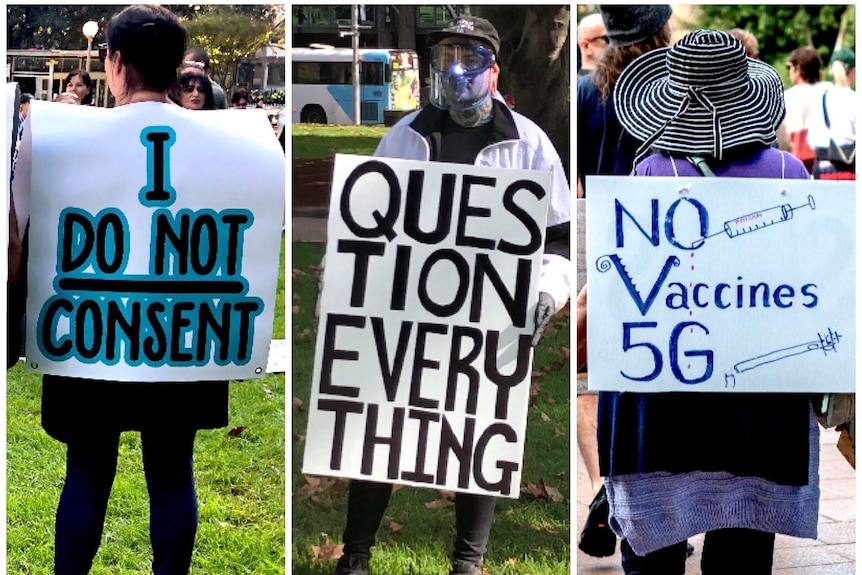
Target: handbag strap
<point>825,113</point>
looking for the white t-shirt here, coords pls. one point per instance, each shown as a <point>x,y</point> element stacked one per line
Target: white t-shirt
<point>841,105</point>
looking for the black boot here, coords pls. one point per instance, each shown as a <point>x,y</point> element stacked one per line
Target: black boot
<point>352,565</point>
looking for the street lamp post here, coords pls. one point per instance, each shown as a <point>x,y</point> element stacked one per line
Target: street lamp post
<point>90,30</point>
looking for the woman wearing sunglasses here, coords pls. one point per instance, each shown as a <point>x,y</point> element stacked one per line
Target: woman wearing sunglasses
<point>193,92</point>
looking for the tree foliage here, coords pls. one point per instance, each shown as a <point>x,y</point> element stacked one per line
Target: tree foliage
<point>54,26</point>
<point>781,28</point>
<point>60,25</point>
<point>227,36</point>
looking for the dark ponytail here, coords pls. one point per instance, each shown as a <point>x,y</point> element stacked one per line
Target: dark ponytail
<point>151,41</point>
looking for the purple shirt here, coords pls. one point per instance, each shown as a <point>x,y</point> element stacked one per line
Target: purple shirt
<point>762,163</point>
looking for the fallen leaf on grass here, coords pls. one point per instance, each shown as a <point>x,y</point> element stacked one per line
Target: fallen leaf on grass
<point>226,524</point>
<point>541,491</point>
<point>294,309</point>
<point>439,503</point>
<point>511,561</point>
<point>394,526</point>
<point>299,438</point>
<point>236,431</point>
<point>295,273</point>
<point>327,552</point>
<point>545,417</point>
<point>324,490</point>
<point>296,403</point>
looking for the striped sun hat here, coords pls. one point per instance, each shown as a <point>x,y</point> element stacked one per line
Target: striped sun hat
<point>702,96</point>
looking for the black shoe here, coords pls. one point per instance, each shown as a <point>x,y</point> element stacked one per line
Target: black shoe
<point>352,565</point>
<point>460,567</point>
<point>689,549</point>
<point>597,538</point>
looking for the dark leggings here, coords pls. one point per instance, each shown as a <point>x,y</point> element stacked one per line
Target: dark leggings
<point>367,503</point>
<point>91,463</point>
<point>725,551</point>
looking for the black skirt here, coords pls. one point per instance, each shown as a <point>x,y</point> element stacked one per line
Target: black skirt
<point>759,435</point>
<point>75,406</point>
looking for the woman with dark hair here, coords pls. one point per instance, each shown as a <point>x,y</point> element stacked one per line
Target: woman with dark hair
<point>145,48</point>
<point>78,82</point>
<point>239,99</point>
<point>193,92</point>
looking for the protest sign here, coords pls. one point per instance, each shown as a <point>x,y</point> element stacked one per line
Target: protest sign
<point>721,284</point>
<point>422,365</point>
<point>155,240</point>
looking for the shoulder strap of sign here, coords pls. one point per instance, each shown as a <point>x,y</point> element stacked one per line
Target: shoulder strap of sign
<point>700,163</point>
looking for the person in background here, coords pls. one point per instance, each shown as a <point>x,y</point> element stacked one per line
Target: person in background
<point>605,149</point>
<point>838,103</point>
<point>802,100</point>
<point>239,99</point>
<point>197,60</point>
<point>78,82</point>
<point>749,41</point>
<point>592,41</point>
<point>467,122</point>
<point>193,92</point>
<point>679,464</point>
<point>23,108</point>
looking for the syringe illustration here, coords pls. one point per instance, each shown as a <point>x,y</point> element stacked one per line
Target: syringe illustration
<point>826,343</point>
<point>760,219</point>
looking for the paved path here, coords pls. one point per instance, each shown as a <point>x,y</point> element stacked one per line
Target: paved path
<point>832,553</point>
<point>308,228</point>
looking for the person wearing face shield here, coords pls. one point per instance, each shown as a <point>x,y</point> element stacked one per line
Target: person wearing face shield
<point>468,122</point>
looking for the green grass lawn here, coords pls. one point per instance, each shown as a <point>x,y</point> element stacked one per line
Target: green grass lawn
<point>240,484</point>
<point>312,142</point>
<point>530,535</point>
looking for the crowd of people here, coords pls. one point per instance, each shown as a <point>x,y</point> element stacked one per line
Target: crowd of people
<point>193,88</point>
<point>649,107</point>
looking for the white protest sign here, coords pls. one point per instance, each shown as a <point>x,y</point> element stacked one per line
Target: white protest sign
<point>730,284</point>
<point>11,132</point>
<point>154,242</point>
<point>423,358</point>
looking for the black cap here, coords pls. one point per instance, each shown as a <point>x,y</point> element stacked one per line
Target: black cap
<point>469,27</point>
<point>627,25</point>
<point>25,98</point>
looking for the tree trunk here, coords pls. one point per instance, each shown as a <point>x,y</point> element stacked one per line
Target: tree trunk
<point>407,27</point>
<point>534,65</point>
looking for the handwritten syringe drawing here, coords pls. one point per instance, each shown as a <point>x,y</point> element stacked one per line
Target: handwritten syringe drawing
<point>760,219</point>
<point>825,342</point>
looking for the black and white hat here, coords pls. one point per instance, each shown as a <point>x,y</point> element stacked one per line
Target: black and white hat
<point>702,96</point>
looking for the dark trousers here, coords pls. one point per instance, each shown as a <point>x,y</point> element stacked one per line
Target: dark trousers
<point>367,503</point>
<point>91,463</point>
<point>725,551</point>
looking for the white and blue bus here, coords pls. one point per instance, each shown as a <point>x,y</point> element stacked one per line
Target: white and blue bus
<point>322,84</point>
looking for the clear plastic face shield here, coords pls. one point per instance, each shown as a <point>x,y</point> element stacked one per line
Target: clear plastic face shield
<point>460,76</point>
